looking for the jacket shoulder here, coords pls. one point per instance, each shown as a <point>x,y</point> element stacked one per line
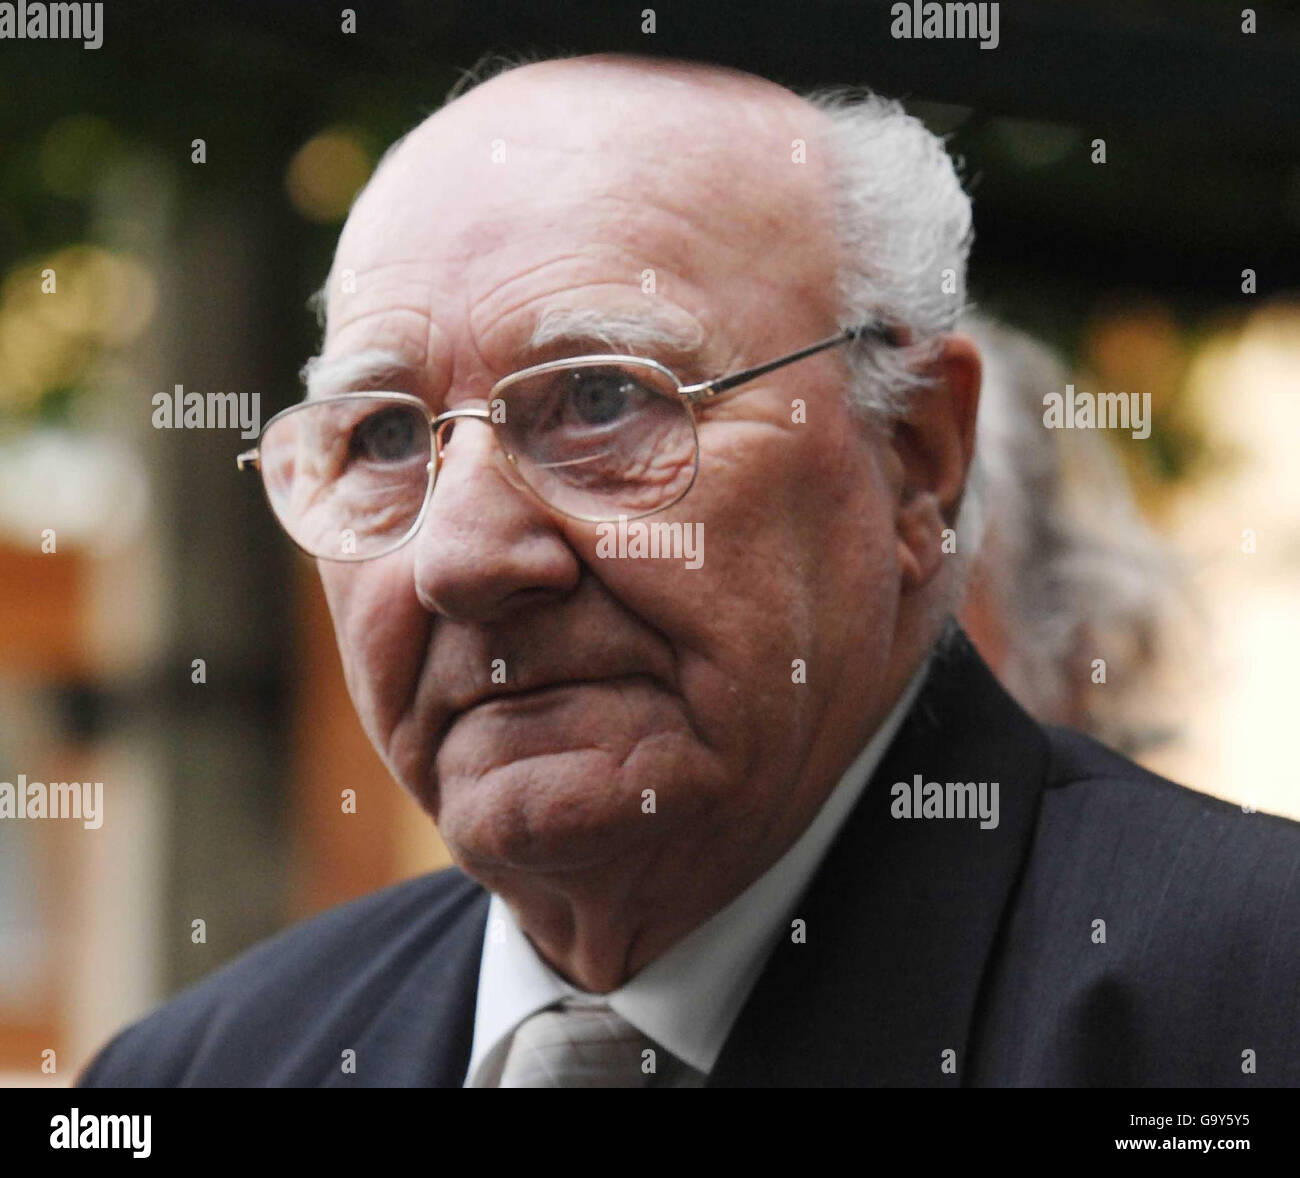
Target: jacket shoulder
<point>1154,937</point>
<point>1086,779</point>
<point>1119,830</point>
<point>273,994</point>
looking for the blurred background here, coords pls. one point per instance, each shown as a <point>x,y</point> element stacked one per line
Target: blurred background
<point>128,552</point>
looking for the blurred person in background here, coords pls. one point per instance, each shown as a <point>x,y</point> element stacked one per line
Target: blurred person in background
<point>1067,571</point>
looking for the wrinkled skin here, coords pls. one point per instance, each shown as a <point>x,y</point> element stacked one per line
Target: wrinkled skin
<point>821,541</point>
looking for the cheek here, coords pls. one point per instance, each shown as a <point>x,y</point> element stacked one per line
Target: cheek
<point>382,634</point>
<point>858,573</point>
<point>787,572</point>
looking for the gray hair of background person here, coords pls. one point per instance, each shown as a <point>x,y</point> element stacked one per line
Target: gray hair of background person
<point>1062,555</point>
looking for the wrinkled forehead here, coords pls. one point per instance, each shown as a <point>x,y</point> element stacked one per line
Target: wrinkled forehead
<point>710,179</point>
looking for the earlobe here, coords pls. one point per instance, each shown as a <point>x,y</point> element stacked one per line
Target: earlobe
<point>920,536</point>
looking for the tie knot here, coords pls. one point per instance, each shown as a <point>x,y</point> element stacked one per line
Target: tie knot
<point>581,1042</point>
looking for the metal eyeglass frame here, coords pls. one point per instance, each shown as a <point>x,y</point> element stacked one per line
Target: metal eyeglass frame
<point>696,396</point>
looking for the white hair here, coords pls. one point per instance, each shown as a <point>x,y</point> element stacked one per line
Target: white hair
<point>903,229</point>
<point>903,226</point>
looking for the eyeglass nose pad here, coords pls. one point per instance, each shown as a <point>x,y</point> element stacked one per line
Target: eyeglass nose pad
<point>441,436</point>
<point>440,432</point>
<point>506,464</point>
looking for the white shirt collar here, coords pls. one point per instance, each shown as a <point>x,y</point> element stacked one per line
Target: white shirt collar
<point>687,999</point>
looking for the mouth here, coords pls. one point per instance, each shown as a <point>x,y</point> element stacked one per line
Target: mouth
<point>507,698</point>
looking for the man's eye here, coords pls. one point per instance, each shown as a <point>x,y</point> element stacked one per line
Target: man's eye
<point>599,398</point>
<point>386,436</point>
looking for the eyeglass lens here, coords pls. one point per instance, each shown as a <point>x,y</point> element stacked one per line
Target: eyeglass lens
<point>348,477</point>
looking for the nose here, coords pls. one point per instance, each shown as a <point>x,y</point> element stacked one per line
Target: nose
<point>486,547</point>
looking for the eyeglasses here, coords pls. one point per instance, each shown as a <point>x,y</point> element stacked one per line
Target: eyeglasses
<point>596,438</point>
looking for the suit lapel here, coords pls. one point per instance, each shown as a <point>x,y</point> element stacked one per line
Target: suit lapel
<point>422,1035</point>
<point>902,915</point>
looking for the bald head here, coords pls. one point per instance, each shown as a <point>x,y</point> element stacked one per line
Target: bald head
<point>620,167</point>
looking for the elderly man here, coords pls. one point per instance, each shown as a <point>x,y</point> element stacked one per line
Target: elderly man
<point>768,820</point>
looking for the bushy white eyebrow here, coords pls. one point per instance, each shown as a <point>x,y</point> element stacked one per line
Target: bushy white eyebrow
<point>618,331</point>
<point>324,376</point>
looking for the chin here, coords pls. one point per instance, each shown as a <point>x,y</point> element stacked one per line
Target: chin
<point>556,812</point>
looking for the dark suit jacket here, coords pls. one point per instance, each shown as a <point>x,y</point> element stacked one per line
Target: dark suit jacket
<point>924,937</point>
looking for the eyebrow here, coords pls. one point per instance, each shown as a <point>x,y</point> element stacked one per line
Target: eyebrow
<point>379,368</point>
<point>648,330</point>
<point>371,369</point>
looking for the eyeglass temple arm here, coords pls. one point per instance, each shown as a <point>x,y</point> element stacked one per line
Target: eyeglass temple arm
<point>707,391</point>
<point>712,389</point>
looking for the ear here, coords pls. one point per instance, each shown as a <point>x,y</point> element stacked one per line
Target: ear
<point>934,443</point>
